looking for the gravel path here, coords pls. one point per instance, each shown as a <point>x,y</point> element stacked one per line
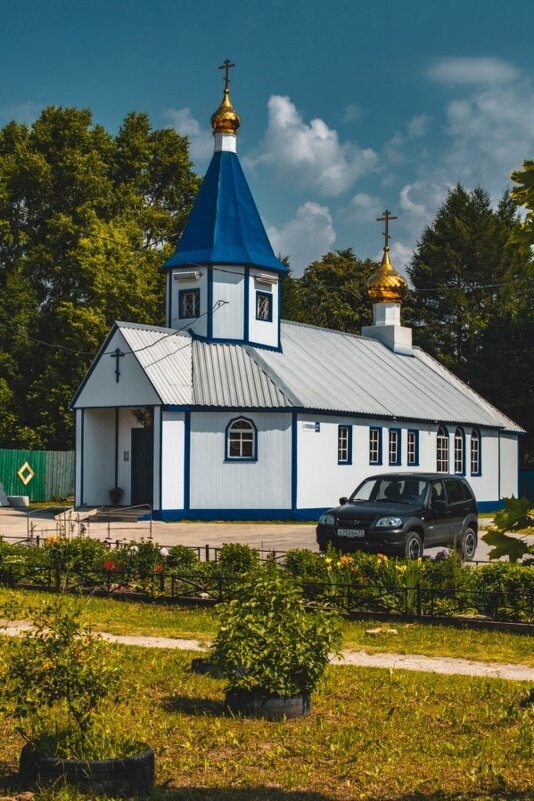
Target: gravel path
<point>429,664</point>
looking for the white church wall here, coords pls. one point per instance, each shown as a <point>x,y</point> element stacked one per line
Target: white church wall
<point>199,326</point>
<point>228,286</point>
<point>103,389</point>
<point>172,460</point>
<point>262,331</point>
<point>98,469</point>
<point>509,465</point>
<point>219,484</point>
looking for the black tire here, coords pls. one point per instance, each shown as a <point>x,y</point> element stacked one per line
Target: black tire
<point>257,704</point>
<point>468,544</point>
<point>413,546</point>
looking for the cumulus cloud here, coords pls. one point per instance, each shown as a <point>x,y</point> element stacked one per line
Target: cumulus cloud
<point>200,139</point>
<point>306,237</point>
<point>364,208</point>
<point>472,70</point>
<point>310,155</point>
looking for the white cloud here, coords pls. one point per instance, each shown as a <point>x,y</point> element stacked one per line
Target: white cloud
<point>472,70</point>
<point>200,139</point>
<point>25,112</point>
<point>364,208</point>
<point>310,155</point>
<point>353,113</point>
<point>418,126</point>
<point>306,237</point>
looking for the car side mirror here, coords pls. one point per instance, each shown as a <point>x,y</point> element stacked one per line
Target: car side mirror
<point>343,501</point>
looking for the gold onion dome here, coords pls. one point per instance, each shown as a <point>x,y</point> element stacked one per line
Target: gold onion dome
<point>386,285</point>
<point>225,119</point>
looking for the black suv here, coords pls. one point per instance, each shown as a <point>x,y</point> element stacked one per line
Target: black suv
<point>402,513</point>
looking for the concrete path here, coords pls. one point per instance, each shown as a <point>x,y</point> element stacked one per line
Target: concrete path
<point>427,664</point>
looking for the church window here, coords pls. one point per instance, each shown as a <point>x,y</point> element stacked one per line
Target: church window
<point>394,446</point>
<point>241,440</point>
<point>459,451</point>
<point>264,306</point>
<point>375,446</point>
<point>442,450</point>
<point>413,447</point>
<point>344,445</point>
<point>189,303</point>
<point>476,468</point>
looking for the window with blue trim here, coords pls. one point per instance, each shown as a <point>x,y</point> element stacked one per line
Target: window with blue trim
<point>264,306</point>
<point>459,451</point>
<point>241,436</point>
<point>394,446</point>
<point>344,444</point>
<point>442,450</point>
<point>413,447</point>
<point>188,303</point>
<point>476,463</point>
<point>375,446</point>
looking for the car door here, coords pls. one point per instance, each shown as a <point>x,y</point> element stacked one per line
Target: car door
<point>459,507</point>
<point>438,515</point>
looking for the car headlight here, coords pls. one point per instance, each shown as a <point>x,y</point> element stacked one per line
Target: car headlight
<point>327,520</point>
<point>388,522</point>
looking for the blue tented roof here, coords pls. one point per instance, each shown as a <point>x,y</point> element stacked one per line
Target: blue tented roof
<point>224,226</point>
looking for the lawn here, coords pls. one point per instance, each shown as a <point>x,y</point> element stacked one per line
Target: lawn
<point>200,623</point>
<point>372,735</point>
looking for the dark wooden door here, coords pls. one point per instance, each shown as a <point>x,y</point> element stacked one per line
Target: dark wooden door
<point>142,465</point>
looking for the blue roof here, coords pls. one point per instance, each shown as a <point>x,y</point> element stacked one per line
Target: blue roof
<point>224,226</point>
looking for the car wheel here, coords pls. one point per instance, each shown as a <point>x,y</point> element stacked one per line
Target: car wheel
<point>413,545</point>
<point>468,545</point>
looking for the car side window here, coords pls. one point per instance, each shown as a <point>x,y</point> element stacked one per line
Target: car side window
<point>455,491</point>
<point>438,492</point>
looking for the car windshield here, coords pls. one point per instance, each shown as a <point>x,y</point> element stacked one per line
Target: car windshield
<point>391,489</point>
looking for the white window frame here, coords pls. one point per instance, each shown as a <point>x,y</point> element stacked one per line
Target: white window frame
<point>442,450</point>
<point>241,440</point>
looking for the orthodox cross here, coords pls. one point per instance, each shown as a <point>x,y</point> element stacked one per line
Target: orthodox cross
<point>226,66</point>
<point>385,219</point>
<point>117,353</point>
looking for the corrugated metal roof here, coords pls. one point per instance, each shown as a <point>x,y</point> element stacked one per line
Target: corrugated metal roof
<point>319,369</point>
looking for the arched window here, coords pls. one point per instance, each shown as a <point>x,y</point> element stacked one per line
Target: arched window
<point>459,451</point>
<point>442,450</point>
<point>241,437</point>
<point>476,465</point>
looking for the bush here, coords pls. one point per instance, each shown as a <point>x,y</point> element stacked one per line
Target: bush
<point>506,591</point>
<point>234,559</point>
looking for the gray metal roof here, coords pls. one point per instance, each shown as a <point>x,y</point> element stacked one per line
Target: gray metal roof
<point>319,369</point>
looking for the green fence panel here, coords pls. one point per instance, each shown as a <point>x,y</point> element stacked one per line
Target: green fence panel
<point>42,475</point>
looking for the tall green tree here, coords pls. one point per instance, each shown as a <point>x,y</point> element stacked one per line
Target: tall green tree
<point>471,304</point>
<point>332,293</point>
<point>86,220</point>
<point>523,194</point>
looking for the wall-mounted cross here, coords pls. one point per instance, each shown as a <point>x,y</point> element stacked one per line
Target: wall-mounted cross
<point>385,219</point>
<point>117,353</point>
<point>227,65</point>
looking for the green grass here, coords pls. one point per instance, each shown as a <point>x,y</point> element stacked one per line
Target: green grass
<point>373,734</point>
<point>200,623</point>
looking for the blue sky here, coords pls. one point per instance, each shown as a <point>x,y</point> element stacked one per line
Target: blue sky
<point>347,107</point>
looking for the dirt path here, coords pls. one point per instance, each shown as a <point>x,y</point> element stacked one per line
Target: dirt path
<point>429,664</point>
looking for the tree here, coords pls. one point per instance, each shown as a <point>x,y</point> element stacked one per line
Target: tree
<point>86,220</point>
<point>524,196</point>
<point>471,306</point>
<point>332,293</point>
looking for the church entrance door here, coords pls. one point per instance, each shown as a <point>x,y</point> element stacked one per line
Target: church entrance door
<point>142,465</point>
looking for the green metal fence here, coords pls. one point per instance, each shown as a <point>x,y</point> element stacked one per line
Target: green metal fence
<point>42,475</point>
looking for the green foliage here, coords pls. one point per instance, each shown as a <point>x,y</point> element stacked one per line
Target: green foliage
<point>86,220</point>
<point>524,196</point>
<point>181,558</point>
<point>516,519</point>
<point>268,639</point>
<point>505,591</point>
<point>55,676</point>
<point>332,293</point>
<point>235,559</point>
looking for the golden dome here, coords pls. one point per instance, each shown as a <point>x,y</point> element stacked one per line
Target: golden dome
<point>386,285</point>
<point>225,119</point>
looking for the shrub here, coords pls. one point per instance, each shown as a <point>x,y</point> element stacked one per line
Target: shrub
<point>234,559</point>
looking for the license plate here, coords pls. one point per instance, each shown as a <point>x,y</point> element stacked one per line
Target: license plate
<point>351,532</point>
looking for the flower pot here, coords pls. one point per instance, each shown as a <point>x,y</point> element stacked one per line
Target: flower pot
<point>130,775</point>
<point>259,704</point>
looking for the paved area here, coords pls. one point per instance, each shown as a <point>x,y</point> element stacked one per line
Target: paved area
<point>427,664</point>
<point>16,524</point>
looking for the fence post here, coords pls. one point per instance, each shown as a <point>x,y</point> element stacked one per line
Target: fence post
<point>418,601</point>
<point>207,553</point>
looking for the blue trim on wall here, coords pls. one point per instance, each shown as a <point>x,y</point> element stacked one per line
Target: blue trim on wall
<point>246,302</point>
<point>348,460</point>
<point>398,460</point>
<point>116,478</point>
<point>160,457</point>
<point>209,308</point>
<point>311,515</point>
<point>279,341</point>
<point>169,298</point>
<point>415,463</point>
<point>294,461</point>
<point>229,341</point>
<point>82,454</point>
<point>187,462</point>
<point>490,506</point>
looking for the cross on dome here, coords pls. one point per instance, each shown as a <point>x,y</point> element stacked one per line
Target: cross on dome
<point>226,66</point>
<point>385,219</point>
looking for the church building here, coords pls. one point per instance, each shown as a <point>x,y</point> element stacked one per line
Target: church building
<point>230,413</point>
